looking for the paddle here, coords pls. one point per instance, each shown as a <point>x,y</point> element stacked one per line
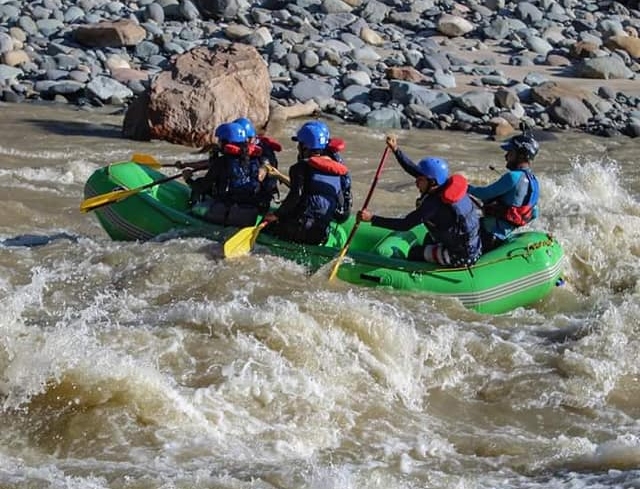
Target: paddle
<point>344,249</point>
<point>273,171</point>
<point>117,195</point>
<point>243,241</point>
<point>150,161</point>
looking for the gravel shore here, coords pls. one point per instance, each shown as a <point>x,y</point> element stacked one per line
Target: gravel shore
<point>474,66</point>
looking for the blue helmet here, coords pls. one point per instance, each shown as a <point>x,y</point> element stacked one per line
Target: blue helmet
<point>436,169</point>
<point>231,132</point>
<point>524,144</point>
<point>313,136</point>
<point>321,126</point>
<point>247,125</point>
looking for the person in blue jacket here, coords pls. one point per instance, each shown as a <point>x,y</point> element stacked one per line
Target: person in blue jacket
<point>319,184</point>
<point>232,192</point>
<point>512,200</point>
<point>443,206</point>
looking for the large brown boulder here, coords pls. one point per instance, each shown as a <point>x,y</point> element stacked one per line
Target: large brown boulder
<point>202,89</point>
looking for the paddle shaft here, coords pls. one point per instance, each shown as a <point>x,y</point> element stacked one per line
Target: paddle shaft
<point>148,160</point>
<point>343,252</point>
<point>98,201</point>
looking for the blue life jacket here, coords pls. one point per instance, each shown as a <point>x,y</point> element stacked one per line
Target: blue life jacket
<point>456,223</point>
<point>522,210</point>
<point>324,192</point>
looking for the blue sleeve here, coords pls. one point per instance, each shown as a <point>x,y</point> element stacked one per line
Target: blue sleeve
<point>399,224</point>
<point>500,187</point>
<point>406,164</point>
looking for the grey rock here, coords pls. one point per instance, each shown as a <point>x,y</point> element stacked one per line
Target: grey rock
<point>9,13</point>
<point>335,7</point>
<point>476,102</point>
<point>189,11</point>
<point>406,93</point>
<point>292,61</point>
<point>570,111</point>
<point>155,13</point>
<point>309,58</point>
<point>66,87</point>
<point>534,79</point>
<point>359,110</point>
<point>73,14</point>
<point>374,11</point>
<point>384,118</point>
<point>607,92</point>
<point>337,22</point>
<point>605,68</point>
<point>355,93</point>
<point>146,49</point>
<point>48,27</point>
<point>328,70</point>
<point>444,80</point>
<point>528,13</point>
<point>361,78</point>
<point>104,88</point>
<point>312,90</point>
<point>9,72</point>
<point>6,43</point>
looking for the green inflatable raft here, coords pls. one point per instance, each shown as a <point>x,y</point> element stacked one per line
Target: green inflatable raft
<point>519,273</point>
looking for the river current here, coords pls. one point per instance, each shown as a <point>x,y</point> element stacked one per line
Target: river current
<point>159,365</point>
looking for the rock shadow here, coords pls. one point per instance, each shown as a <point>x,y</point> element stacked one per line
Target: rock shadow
<point>77,128</point>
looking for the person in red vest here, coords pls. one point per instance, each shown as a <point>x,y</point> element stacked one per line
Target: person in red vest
<point>319,184</point>
<point>511,201</point>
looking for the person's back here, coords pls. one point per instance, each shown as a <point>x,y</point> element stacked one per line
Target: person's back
<point>511,201</point>
<point>452,220</point>
<point>319,185</point>
<point>231,193</point>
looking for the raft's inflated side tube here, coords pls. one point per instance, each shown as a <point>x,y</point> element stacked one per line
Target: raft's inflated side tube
<point>398,243</point>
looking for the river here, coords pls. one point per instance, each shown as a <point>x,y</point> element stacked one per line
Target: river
<point>158,365</point>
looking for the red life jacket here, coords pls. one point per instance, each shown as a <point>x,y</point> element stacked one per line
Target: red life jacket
<point>271,143</point>
<point>328,165</point>
<point>336,145</point>
<point>235,150</point>
<point>454,189</point>
<point>516,215</point>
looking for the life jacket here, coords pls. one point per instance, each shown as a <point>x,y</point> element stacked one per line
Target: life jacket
<point>324,191</point>
<point>272,144</point>
<point>239,183</point>
<point>270,147</point>
<point>255,151</point>
<point>517,215</point>
<point>333,149</point>
<point>455,223</point>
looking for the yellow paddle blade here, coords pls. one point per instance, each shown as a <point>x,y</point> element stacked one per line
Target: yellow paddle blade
<point>118,195</point>
<point>147,160</point>
<point>104,199</point>
<point>243,241</point>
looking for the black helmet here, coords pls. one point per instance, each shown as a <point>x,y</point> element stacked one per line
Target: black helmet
<point>524,144</point>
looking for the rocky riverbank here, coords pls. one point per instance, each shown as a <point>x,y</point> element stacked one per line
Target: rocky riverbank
<point>479,66</point>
